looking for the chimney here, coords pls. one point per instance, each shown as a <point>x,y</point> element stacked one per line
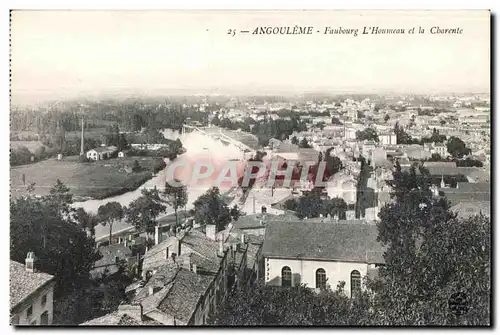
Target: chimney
<point>125,242</point>
<point>157,234</point>
<point>30,262</point>
<point>134,311</point>
<point>82,152</point>
<point>167,253</point>
<point>194,268</point>
<point>243,238</point>
<point>187,262</point>
<point>177,247</point>
<point>151,290</point>
<point>210,231</point>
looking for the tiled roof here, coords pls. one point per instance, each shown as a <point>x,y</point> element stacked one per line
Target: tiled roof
<point>109,253</point>
<point>155,257</point>
<point>160,281</point>
<point>440,164</point>
<point>252,221</point>
<point>24,283</point>
<point>466,194</point>
<point>104,149</point>
<point>201,244</point>
<point>467,209</point>
<point>329,241</point>
<point>474,187</point>
<point>184,295</point>
<point>119,319</point>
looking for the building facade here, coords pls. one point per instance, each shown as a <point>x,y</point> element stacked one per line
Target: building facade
<point>320,254</point>
<point>31,294</point>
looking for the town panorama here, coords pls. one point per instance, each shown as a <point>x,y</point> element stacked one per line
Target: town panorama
<point>247,210</point>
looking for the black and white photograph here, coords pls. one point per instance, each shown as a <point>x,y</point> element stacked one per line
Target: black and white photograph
<point>250,168</point>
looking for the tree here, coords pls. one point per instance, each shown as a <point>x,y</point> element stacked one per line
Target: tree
<point>335,120</point>
<point>60,198</point>
<point>60,245</point>
<point>109,214</point>
<point>122,142</point>
<point>435,157</point>
<point>295,140</point>
<point>320,125</point>
<point>456,147</point>
<point>291,204</point>
<point>310,205</point>
<point>386,117</point>
<point>85,220</point>
<point>304,143</point>
<point>210,209</point>
<point>176,197</point>
<point>369,134</point>
<point>143,211</point>
<point>333,163</point>
<point>136,167</point>
<point>236,213</point>
<point>298,306</point>
<point>431,256</point>
<point>338,207</point>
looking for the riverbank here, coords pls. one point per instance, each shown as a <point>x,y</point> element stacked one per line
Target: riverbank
<point>95,180</point>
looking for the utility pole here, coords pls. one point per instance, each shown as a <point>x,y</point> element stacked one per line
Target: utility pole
<point>81,144</point>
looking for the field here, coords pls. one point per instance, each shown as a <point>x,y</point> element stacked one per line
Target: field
<point>96,180</point>
<point>88,133</point>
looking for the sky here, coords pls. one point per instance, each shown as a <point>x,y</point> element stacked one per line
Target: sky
<point>58,54</point>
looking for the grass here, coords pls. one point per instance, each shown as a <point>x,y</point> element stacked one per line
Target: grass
<point>96,180</point>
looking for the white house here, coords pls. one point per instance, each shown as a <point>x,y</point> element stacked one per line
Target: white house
<point>100,153</point>
<point>342,185</point>
<point>31,294</point>
<point>387,138</point>
<point>320,254</point>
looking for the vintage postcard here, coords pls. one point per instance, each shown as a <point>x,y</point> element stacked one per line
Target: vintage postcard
<point>249,168</point>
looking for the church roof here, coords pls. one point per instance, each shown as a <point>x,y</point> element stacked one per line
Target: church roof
<point>350,242</point>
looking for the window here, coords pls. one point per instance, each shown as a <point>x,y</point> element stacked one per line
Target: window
<point>29,312</point>
<point>44,318</point>
<point>286,277</point>
<point>321,278</point>
<point>355,282</point>
<point>44,300</point>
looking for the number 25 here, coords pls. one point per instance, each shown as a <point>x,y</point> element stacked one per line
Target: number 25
<point>231,32</point>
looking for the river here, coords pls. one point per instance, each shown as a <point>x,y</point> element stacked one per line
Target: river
<point>198,147</point>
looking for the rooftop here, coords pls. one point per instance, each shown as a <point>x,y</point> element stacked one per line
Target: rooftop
<point>23,283</point>
<point>351,242</point>
<point>182,298</point>
<point>104,149</point>
<point>119,319</point>
<point>467,209</point>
